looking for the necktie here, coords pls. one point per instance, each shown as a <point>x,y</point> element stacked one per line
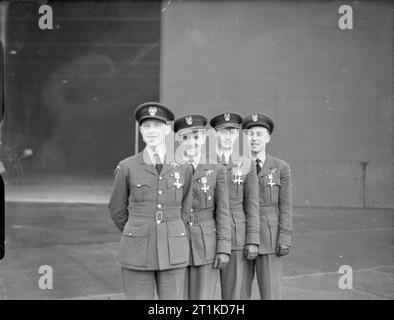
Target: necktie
<point>223,159</point>
<point>191,163</point>
<point>258,165</point>
<point>158,163</point>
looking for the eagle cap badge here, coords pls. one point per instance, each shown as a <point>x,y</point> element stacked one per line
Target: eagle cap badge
<point>189,120</point>
<point>152,111</point>
<point>227,116</point>
<point>255,117</point>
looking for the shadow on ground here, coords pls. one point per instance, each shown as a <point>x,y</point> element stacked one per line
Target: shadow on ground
<point>80,242</point>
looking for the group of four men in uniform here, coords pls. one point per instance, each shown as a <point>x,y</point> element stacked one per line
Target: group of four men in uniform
<point>188,218</point>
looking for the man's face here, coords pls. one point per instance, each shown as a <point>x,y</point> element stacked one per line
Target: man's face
<point>226,137</point>
<point>258,137</point>
<point>154,132</point>
<point>192,141</point>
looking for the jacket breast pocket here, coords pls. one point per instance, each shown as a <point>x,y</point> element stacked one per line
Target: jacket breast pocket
<point>133,248</point>
<point>236,188</point>
<point>209,236</point>
<point>141,190</point>
<point>274,191</point>
<point>209,196</point>
<point>175,191</point>
<point>205,193</point>
<point>270,189</point>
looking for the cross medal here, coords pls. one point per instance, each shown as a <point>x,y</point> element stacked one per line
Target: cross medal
<point>177,177</point>
<point>204,188</point>
<point>271,183</point>
<point>238,179</point>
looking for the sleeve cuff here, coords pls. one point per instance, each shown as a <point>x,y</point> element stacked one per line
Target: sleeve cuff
<point>284,239</point>
<point>253,238</point>
<point>223,246</point>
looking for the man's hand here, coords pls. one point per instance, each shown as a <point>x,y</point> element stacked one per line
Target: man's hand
<point>221,260</point>
<point>282,250</point>
<point>251,251</point>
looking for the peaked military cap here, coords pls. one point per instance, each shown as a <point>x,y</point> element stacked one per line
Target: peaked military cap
<point>153,110</point>
<point>258,119</point>
<point>226,120</point>
<point>190,121</point>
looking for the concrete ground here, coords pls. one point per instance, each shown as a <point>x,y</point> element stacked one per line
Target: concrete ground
<point>67,226</point>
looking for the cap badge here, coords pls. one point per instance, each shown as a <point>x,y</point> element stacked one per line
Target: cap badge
<point>255,117</point>
<point>189,120</point>
<point>227,116</point>
<point>152,111</point>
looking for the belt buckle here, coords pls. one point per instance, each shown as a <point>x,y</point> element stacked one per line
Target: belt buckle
<point>190,219</point>
<point>159,217</point>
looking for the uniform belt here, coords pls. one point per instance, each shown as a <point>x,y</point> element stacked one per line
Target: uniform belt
<point>200,216</point>
<point>269,210</point>
<point>238,218</point>
<point>236,207</point>
<point>148,209</point>
<point>159,217</point>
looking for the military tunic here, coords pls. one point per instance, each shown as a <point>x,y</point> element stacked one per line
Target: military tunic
<point>244,213</point>
<point>208,229</point>
<point>275,227</point>
<point>146,207</point>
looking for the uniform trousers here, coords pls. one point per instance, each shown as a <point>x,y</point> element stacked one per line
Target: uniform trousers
<point>140,285</point>
<point>200,282</point>
<point>268,269</point>
<point>234,275</point>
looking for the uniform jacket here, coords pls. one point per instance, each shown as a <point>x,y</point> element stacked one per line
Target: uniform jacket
<point>243,201</point>
<point>146,207</point>
<point>208,219</point>
<point>275,204</point>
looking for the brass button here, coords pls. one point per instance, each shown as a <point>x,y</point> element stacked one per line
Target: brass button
<point>129,233</point>
<point>160,177</point>
<point>160,192</point>
<point>159,206</point>
<point>191,210</point>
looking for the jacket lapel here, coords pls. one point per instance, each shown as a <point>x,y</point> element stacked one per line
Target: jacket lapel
<point>147,163</point>
<point>232,163</point>
<point>200,172</point>
<point>267,166</point>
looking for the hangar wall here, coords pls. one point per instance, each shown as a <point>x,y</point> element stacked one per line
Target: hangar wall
<point>330,91</point>
<point>70,91</point>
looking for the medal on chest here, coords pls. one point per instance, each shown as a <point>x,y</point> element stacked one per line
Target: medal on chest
<point>271,182</point>
<point>238,174</point>
<point>204,187</point>
<point>177,183</point>
<point>238,177</point>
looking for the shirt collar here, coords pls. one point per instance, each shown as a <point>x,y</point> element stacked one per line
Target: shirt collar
<point>226,154</point>
<point>195,161</point>
<point>262,156</point>
<point>160,150</point>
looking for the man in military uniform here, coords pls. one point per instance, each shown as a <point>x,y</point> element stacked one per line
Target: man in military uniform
<point>243,202</point>
<point>207,218</point>
<point>275,209</point>
<point>148,193</point>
